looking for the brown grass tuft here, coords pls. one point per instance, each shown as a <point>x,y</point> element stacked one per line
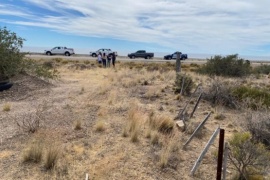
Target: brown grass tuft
<point>33,153</point>
<point>6,107</point>
<point>100,126</point>
<point>51,157</point>
<point>78,125</point>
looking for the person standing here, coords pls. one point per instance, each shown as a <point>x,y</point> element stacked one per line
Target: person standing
<point>113,59</point>
<point>104,57</point>
<point>109,60</point>
<point>99,58</point>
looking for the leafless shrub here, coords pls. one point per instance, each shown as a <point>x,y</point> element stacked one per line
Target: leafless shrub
<point>31,121</point>
<point>258,124</point>
<point>219,94</point>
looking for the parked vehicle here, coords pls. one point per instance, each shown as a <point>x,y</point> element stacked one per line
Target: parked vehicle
<point>60,51</point>
<point>106,51</point>
<point>141,54</point>
<point>174,56</point>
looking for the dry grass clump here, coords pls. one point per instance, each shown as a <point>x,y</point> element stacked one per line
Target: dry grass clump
<point>160,123</point>
<point>100,126</point>
<point>51,157</point>
<point>155,138</point>
<point>78,125</point>
<point>134,121</point>
<point>6,107</point>
<point>152,92</point>
<point>34,152</point>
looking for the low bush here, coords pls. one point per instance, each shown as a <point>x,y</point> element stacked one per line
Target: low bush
<point>248,159</point>
<point>258,124</point>
<point>262,69</point>
<point>256,95</point>
<point>230,66</point>
<point>183,81</point>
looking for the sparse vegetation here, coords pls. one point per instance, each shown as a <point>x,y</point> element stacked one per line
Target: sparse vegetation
<point>183,81</point>
<point>230,66</point>
<point>249,159</point>
<point>6,107</point>
<point>262,69</point>
<point>256,95</point>
<point>108,102</point>
<point>78,125</point>
<point>34,152</point>
<point>100,126</point>
<point>51,158</point>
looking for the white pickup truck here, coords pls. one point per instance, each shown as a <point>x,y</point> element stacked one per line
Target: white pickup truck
<point>60,50</point>
<point>106,51</point>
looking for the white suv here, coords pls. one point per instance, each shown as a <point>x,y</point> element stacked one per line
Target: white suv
<point>106,51</point>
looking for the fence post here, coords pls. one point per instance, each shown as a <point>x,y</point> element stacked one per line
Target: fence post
<point>196,130</point>
<point>225,160</point>
<point>178,63</point>
<point>196,105</point>
<point>198,162</point>
<point>220,153</point>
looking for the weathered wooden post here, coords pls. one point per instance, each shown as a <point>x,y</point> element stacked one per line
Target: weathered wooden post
<point>199,160</point>
<point>196,130</point>
<point>220,153</point>
<point>178,63</point>
<point>196,105</point>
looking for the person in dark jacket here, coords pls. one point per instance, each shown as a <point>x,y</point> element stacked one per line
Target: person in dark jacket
<point>113,59</point>
<point>104,59</point>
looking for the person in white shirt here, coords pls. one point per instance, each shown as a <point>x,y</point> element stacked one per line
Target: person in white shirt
<point>99,58</point>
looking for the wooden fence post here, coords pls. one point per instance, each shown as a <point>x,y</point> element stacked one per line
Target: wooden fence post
<point>198,162</point>
<point>220,153</point>
<point>225,160</point>
<point>196,130</point>
<point>196,105</point>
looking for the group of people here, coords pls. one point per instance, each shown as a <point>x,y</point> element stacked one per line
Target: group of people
<point>106,59</point>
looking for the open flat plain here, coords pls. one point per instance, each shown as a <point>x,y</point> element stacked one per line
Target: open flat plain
<point>85,117</point>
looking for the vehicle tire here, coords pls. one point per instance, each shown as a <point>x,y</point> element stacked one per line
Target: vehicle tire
<point>169,58</point>
<point>67,54</point>
<point>5,86</point>
<point>48,53</point>
<point>132,57</point>
<point>94,55</point>
<point>147,57</point>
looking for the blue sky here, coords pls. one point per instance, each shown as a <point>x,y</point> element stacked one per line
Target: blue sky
<point>190,26</point>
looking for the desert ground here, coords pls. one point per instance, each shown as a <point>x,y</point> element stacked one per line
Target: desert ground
<point>96,121</point>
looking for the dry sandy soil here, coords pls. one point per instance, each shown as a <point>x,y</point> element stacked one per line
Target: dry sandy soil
<point>101,102</point>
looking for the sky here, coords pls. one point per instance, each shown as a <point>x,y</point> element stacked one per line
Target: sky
<point>197,27</point>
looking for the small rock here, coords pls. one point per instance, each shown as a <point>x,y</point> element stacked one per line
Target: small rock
<point>181,125</point>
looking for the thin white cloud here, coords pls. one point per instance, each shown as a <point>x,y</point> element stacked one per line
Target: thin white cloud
<point>198,26</point>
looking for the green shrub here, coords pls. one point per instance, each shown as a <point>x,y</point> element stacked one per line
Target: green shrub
<point>262,69</point>
<point>248,158</point>
<point>230,66</point>
<point>188,84</point>
<point>10,57</point>
<point>13,62</point>
<point>256,95</point>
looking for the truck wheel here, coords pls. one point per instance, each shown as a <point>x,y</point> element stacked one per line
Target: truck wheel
<point>132,57</point>
<point>147,57</point>
<point>94,55</point>
<point>67,54</point>
<point>169,58</point>
<point>48,53</point>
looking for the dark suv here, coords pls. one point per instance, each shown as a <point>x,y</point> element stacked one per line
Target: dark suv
<point>174,56</point>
